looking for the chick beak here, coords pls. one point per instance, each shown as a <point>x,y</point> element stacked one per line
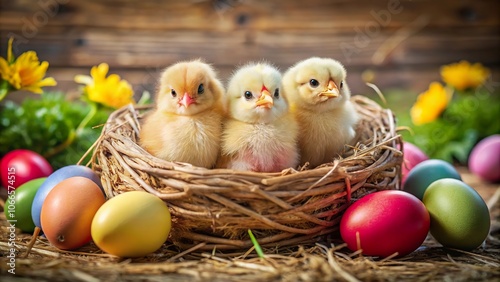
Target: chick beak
<point>332,91</point>
<point>265,100</point>
<point>186,100</point>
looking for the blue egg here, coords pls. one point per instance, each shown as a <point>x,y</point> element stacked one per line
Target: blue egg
<point>53,179</point>
<point>426,172</point>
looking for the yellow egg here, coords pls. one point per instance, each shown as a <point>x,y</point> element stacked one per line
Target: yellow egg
<point>132,224</point>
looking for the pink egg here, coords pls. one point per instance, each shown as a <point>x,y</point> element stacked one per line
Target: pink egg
<point>384,223</point>
<point>484,160</point>
<point>412,157</point>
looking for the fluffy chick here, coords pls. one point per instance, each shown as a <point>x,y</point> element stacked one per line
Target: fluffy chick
<point>186,124</point>
<point>320,101</point>
<point>259,133</point>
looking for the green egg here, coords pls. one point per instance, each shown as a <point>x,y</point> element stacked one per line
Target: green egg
<point>459,216</point>
<point>426,172</point>
<point>18,205</point>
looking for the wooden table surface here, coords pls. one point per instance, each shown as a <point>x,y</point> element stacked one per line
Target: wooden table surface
<point>403,42</point>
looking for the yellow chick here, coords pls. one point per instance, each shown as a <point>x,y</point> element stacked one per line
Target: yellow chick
<point>319,98</point>
<point>259,133</point>
<point>186,124</point>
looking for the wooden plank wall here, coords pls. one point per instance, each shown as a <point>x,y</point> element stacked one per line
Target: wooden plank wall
<point>403,42</point>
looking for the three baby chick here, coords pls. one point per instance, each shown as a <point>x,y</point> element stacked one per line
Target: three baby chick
<point>263,122</point>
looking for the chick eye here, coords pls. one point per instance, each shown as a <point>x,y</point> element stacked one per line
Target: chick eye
<point>201,89</point>
<point>341,84</point>
<point>314,83</point>
<point>248,95</point>
<point>277,93</point>
<point>174,94</point>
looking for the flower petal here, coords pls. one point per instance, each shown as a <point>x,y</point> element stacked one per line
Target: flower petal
<point>113,79</point>
<point>15,80</point>
<point>33,88</point>
<point>99,73</point>
<point>430,104</point>
<point>27,58</point>
<point>4,69</point>
<point>48,81</point>
<point>463,75</point>
<point>110,91</point>
<point>83,79</point>
<point>10,58</point>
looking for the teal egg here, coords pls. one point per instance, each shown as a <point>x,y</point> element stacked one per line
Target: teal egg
<point>460,218</point>
<point>426,172</point>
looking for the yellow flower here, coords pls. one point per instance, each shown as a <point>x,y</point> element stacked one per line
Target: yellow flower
<point>430,104</point>
<point>26,72</point>
<point>110,91</point>
<point>463,75</point>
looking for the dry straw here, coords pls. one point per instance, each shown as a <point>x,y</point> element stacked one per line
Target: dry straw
<point>215,208</point>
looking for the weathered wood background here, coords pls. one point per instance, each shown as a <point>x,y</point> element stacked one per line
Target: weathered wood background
<point>403,42</point>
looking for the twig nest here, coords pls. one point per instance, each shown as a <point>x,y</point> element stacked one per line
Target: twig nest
<point>216,207</point>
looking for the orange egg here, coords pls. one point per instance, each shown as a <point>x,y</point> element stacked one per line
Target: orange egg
<point>68,210</point>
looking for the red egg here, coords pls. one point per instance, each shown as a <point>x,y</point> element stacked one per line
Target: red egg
<point>384,223</point>
<point>20,166</point>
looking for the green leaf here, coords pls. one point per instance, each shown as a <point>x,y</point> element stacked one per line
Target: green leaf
<point>43,124</point>
<point>256,244</point>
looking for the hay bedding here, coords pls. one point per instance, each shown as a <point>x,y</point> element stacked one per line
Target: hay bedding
<point>326,261</point>
<point>216,254</point>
